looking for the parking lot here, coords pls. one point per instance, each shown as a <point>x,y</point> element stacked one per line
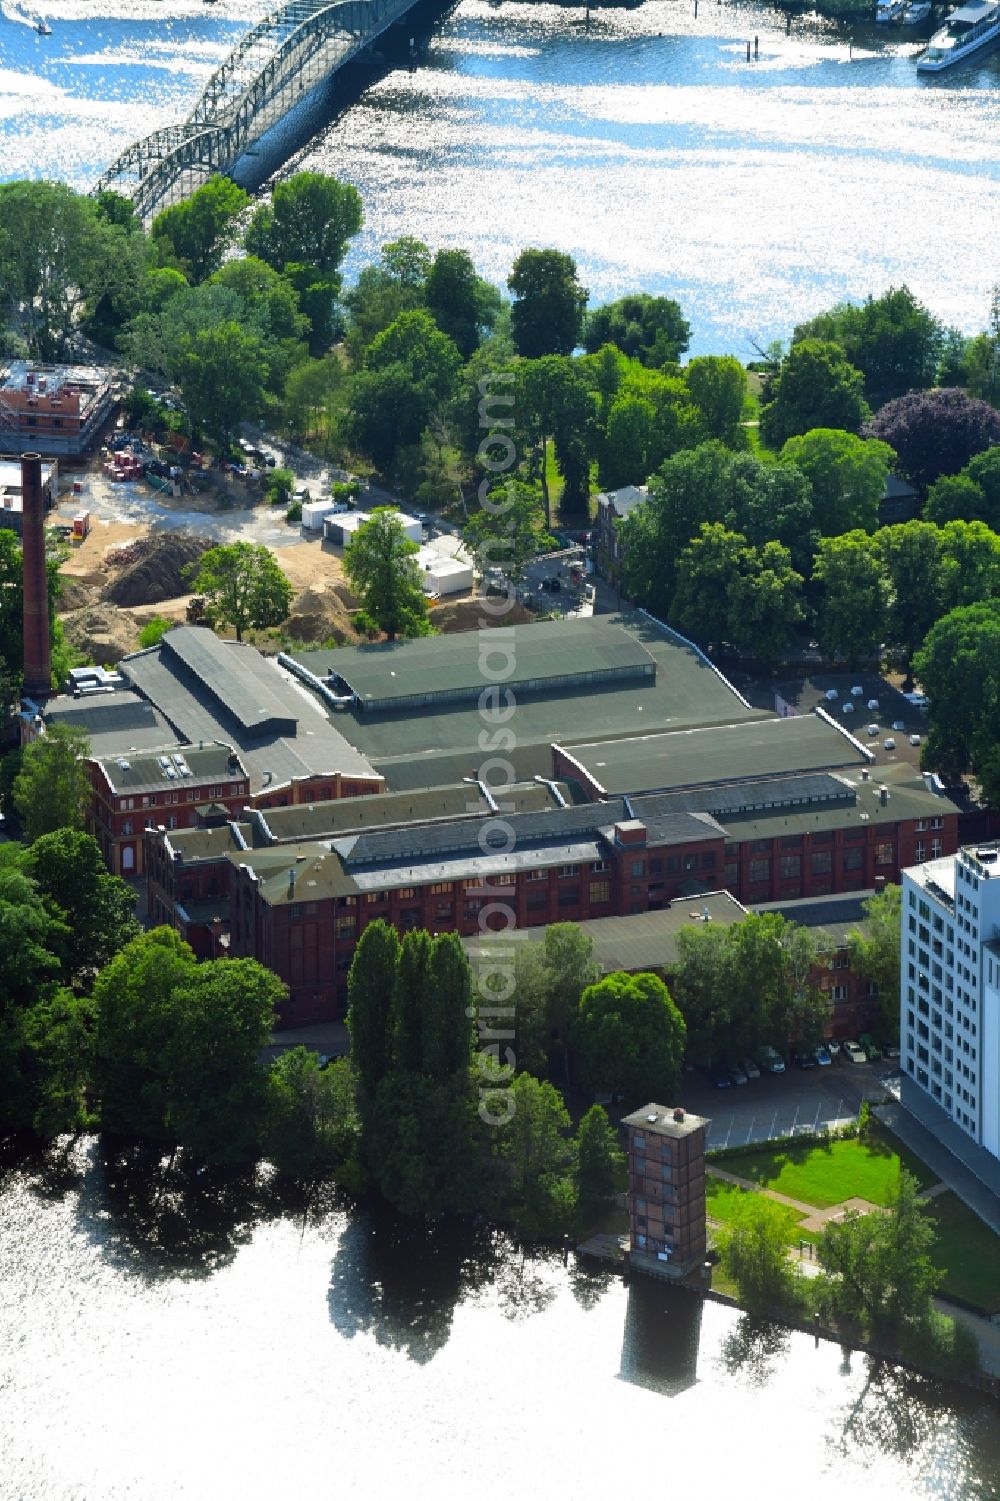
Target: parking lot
<point>798,1101</point>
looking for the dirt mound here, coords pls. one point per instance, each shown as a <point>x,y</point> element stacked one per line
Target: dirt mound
<point>469,615</point>
<point>104,632</point>
<point>75,593</point>
<point>319,614</point>
<point>158,570</point>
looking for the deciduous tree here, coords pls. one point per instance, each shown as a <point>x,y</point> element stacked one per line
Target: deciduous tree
<point>52,789</point>
<point>380,562</point>
<point>197,232</point>
<point>935,432</point>
<point>309,220</point>
<point>854,598</point>
<point>892,339</point>
<point>630,1036</point>
<point>754,1245</point>
<point>874,952</point>
<point>847,475</point>
<point>650,329</point>
<point>243,585</point>
<point>549,303</point>
<point>815,386</point>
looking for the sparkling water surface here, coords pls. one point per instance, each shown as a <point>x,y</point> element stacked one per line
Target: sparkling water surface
<point>164,1339</point>
<point>645,145</point>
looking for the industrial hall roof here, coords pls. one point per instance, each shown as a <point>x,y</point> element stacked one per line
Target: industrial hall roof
<point>212,690</point>
<point>723,753</point>
<point>526,657</point>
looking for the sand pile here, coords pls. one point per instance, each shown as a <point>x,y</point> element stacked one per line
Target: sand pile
<point>320,614</point>
<point>102,632</point>
<point>468,615</point>
<point>158,569</point>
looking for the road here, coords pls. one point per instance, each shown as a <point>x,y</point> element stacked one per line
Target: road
<point>796,1102</point>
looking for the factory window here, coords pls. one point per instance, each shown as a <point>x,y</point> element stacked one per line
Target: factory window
<point>708,860</point>
<point>568,870</point>
<point>404,892</point>
<point>127,826</point>
<point>936,848</point>
<point>822,862</point>
<point>790,866</point>
<point>344,926</point>
<point>537,875</point>
<point>440,887</point>
<point>569,896</point>
<point>885,854</point>
<point>760,870</point>
<point>920,851</point>
<point>172,821</point>
<point>372,897</point>
<point>600,891</point>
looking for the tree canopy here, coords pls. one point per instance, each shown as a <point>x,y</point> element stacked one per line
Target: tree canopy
<point>847,475</point>
<point>308,222</point>
<point>892,339</point>
<point>630,1037</point>
<point>815,386</point>
<point>196,233</point>
<point>935,432</point>
<point>380,562</point>
<point>652,330</point>
<point>549,302</point>
<point>52,788</point>
<point>243,586</point>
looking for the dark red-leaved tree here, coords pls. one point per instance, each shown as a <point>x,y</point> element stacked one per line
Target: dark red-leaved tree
<point>935,432</point>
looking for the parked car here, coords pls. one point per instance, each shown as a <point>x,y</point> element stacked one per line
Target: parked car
<point>750,1069</point>
<point>720,1076</point>
<point>890,1052</point>
<point>802,1059</point>
<point>871,1047</point>
<point>736,1073</point>
<point>918,701</point>
<point>822,1056</point>
<point>833,1048</point>
<point>854,1052</point>
<point>770,1060</point>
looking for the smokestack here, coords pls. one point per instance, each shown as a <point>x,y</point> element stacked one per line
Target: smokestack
<point>37,658</point>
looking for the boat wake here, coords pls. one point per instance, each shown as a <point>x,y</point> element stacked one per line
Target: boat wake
<point>22,16</point>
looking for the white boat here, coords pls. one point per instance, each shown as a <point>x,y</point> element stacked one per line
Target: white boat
<point>889,11</point>
<point>916,12</point>
<point>969,29</point>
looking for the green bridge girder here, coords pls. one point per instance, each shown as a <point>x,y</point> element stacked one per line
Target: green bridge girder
<point>279,61</point>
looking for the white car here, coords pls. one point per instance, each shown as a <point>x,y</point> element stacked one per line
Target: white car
<point>918,701</point>
<point>854,1052</point>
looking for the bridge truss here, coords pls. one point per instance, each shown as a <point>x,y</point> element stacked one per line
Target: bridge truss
<point>275,66</point>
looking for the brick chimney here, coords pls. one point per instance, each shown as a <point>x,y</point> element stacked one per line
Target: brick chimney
<point>37,658</point>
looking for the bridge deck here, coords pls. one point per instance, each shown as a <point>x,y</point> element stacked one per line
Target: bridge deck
<point>276,65</point>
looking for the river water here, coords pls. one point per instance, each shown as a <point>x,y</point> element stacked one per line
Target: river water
<point>646,146</point>
<point>166,1338</point>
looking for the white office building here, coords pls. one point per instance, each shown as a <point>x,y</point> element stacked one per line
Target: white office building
<point>950,988</point>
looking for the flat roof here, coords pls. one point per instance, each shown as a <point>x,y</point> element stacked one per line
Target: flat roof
<point>722,753</point>
<point>116,722</point>
<point>837,916</point>
<point>174,766</point>
<point>442,743</point>
<point>643,941</point>
<point>666,1120</point>
<point>379,672</point>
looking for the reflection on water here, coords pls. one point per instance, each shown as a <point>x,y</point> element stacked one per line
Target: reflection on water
<point>661,1337</point>
<point>165,1336</point>
<point>645,145</point>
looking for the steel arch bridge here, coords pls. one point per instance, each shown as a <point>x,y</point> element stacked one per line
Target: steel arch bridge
<point>277,64</point>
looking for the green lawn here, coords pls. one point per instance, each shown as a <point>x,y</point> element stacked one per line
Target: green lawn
<point>827,1172</point>
<point>721,1197</point>
<point>968,1251</point>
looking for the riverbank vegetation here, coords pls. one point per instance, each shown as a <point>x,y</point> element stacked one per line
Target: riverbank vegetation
<point>877,1271</point>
